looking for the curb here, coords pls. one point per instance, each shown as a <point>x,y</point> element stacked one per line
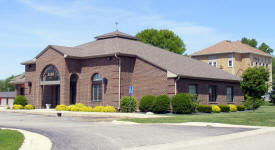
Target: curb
<point>33,141</point>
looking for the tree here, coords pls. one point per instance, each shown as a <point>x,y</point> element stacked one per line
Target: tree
<point>264,47</point>
<point>255,82</point>
<point>163,39</point>
<point>5,85</point>
<point>251,42</point>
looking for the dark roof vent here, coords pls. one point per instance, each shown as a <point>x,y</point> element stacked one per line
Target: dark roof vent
<point>116,34</point>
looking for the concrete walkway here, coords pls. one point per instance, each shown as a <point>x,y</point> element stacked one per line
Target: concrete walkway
<point>53,112</point>
<point>33,141</point>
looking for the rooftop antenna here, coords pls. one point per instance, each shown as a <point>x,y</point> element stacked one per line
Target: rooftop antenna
<point>116,25</point>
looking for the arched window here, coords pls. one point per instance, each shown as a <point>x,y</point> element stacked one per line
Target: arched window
<point>50,73</point>
<point>96,87</point>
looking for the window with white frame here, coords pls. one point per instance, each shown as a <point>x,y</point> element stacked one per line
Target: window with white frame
<point>251,61</point>
<point>212,61</point>
<point>230,60</point>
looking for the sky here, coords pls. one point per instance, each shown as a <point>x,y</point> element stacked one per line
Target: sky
<point>28,26</point>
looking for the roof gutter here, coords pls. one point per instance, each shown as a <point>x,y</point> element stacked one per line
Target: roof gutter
<point>176,89</point>
<point>119,77</point>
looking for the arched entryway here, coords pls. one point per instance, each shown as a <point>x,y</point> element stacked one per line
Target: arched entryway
<point>73,88</point>
<point>50,85</point>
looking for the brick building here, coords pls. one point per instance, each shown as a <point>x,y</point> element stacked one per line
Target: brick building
<point>234,57</point>
<point>100,73</point>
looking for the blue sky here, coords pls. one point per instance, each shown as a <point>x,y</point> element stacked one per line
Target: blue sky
<point>28,26</point>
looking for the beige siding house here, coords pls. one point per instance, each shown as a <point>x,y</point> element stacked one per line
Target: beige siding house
<point>234,57</point>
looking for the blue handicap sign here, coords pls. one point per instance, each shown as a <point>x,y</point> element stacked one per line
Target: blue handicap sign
<point>130,89</point>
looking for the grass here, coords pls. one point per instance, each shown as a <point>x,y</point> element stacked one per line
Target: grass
<point>264,116</point>
<point>10,139</point>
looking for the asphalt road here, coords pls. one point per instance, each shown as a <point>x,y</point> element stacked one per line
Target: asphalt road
<point>90,134</point>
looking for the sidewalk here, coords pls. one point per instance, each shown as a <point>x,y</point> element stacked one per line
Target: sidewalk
<point>33,141</point>
<point>53,112</point>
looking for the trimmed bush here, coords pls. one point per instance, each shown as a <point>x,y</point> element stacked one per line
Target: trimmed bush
<point>240,108</point>
<point>79,105</point>
<point>146,103</point>
<point>248,102</point>
<point>20,100</point>
<point>86,109</point>
<point>224,108</point>
<point>98,109</point>
<point>182,103</point>
<point>29,107</point>
<point>216,109</point>
<point>125,104</point>
<point>161,104</point>
<point>16,106</point>
<point>68,108</point>
<point>204,108</point>
<point>233,108</point>
<point>61,107</point>
<point>109,109</point>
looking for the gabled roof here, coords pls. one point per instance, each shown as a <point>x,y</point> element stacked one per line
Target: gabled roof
<point>175,63</point>
<point>230,47</point>
<point>7,94</point>
<point>18,80</point>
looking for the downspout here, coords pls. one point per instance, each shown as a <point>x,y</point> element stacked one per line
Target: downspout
<point>119,72</point>
<point>176,89</point>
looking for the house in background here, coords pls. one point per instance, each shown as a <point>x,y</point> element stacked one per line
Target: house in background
<point>6,98</point>
<point>100,73</point>
<point>19,83</point>
<point>234,57</point>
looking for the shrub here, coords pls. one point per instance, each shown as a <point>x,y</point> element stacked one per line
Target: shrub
<point>29,107</point>
<point>79,105</point>
<point>68,108</point>
<point>267,103</point>
<point>16,106</point>
<point>182,103</point>
<point>240,108</point>
<point>248,102</point>
<point>86,109</point>
<point>61,107</point>
<point>125,104</point>
<point>216,109</point>
<point>204,108</point>
<point>233,108</point>
<point>98,109</point>
<point>224,108</point>
<point>75,108</point>
<point>20,100</point>
<point>146,103</point>
<point>161,104</point>
<point>109,109</point>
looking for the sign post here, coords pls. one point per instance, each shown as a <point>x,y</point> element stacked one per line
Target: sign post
<point>130,92</point>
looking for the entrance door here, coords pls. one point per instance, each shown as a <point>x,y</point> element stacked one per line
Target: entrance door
<point>51,95</point>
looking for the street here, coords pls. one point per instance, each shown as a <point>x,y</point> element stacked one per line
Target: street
<point>76,133</point>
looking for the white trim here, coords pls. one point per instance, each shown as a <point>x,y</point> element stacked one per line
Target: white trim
<point>49,82</point>
<point>171,74</point>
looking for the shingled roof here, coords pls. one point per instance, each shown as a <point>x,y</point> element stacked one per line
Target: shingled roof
<point>121,44</point>
<point>230,47</point>
<point>18,80</point>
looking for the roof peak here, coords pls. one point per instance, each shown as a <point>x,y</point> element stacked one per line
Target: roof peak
<point>115,34</point>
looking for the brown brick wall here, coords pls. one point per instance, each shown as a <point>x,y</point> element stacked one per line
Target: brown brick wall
<point>202,89</point>
<point>143,76</point>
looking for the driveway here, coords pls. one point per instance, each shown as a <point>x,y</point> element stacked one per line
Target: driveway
<point>78,133</point>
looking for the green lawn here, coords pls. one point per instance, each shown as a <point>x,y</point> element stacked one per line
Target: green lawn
<point>264,116</point>
<point>10,139</point>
